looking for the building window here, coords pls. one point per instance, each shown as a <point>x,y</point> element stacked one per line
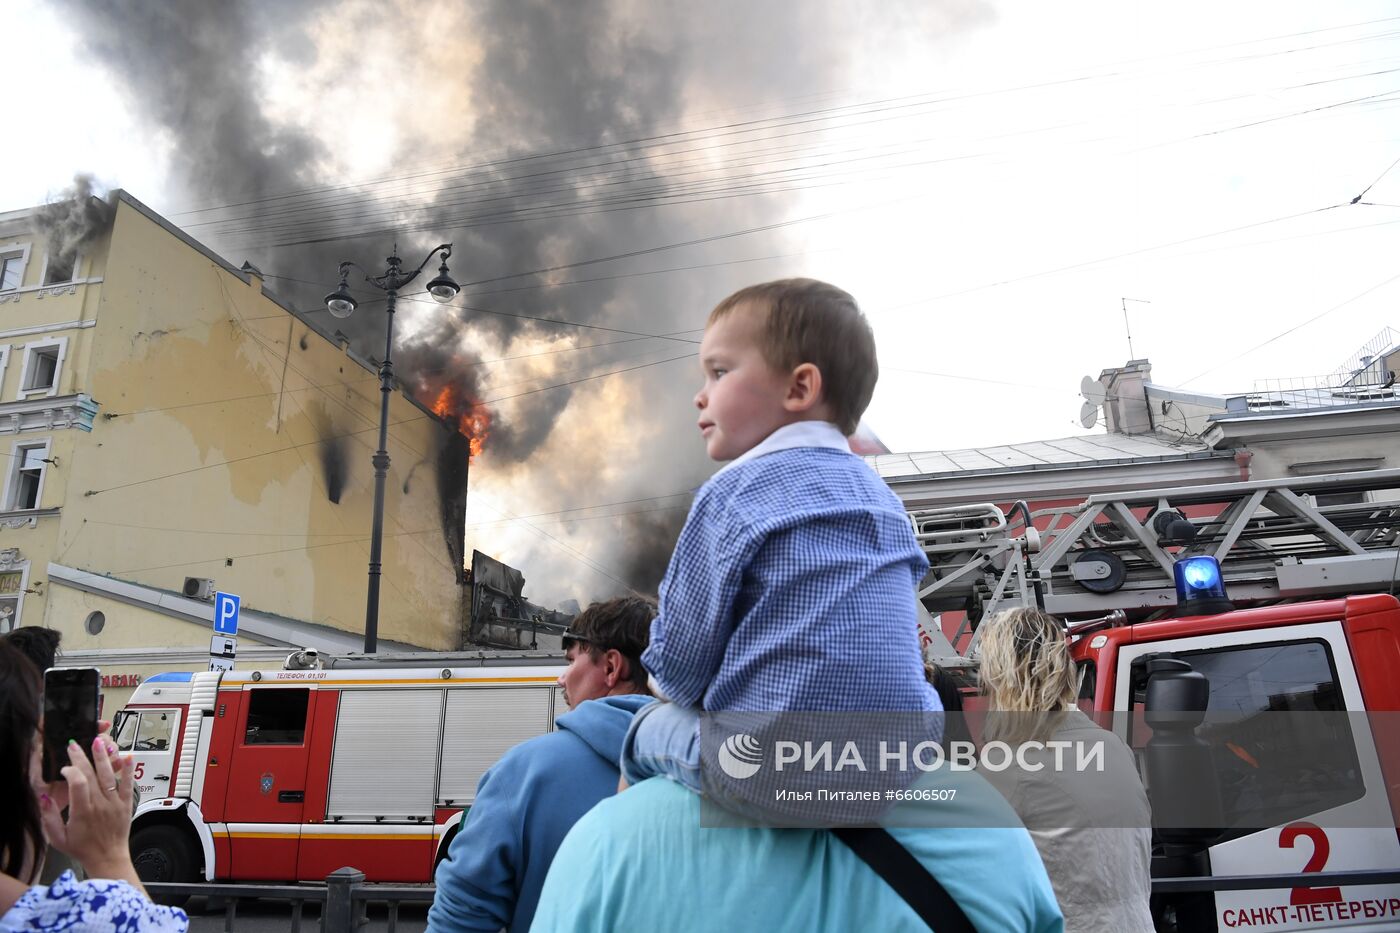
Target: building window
<point>13,259</point>
<point>43,369</point>
<point>96,622</point>
<point>59,269</point>
<point>27,464</point>
<point>43,364</point>
<point>11,584</point>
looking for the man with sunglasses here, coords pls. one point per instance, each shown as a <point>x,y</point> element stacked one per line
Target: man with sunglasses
<point>527,802</point>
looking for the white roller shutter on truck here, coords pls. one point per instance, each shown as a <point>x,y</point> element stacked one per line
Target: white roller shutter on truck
<point>481,725</point>
<point>385,758</point>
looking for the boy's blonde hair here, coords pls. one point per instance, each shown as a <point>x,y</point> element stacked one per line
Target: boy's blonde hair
<point>807,321</point>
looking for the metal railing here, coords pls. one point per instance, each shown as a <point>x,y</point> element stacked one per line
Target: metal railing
<point>343,899</point>
<point>1331,879</point>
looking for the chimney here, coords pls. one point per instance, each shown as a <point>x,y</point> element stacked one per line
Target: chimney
<point>1125,409</point>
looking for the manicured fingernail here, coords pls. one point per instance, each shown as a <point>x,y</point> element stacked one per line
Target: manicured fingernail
<point>73,742</point>
<point>98,743</point>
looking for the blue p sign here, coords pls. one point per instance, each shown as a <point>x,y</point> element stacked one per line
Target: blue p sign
<point>226,613</point>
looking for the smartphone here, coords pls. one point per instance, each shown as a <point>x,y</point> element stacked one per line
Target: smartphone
<point>70,712</point>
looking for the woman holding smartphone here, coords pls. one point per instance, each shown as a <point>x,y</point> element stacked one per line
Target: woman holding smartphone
<point>96,790</point>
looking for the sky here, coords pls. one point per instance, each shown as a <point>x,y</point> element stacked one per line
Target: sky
<point>994,182</point>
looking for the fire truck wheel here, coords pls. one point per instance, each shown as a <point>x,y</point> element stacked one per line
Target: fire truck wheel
<point>164,853</point>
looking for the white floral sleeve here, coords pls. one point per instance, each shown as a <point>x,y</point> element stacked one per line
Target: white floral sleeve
<point>74,906</point>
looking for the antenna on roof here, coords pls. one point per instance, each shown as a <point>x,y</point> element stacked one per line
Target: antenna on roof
<point>1126,328</point>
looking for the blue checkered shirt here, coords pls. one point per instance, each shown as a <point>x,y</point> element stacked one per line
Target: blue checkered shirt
<point>792,587</point>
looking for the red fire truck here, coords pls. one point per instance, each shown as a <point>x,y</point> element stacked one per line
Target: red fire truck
<point>1157,574</point>
<point>285,775</point>
<point>290,774</point>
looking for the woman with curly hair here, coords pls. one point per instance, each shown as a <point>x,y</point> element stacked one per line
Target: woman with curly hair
<point>1092,828</point>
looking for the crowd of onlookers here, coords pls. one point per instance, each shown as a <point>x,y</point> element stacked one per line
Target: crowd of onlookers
<point>791,591</point>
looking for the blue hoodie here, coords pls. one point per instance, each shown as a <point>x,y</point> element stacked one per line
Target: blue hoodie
<point>525,805</point>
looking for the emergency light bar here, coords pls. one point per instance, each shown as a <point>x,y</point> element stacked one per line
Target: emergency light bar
<point>1200,587</point>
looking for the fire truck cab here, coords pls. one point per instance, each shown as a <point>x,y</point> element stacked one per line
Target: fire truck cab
<point>288,775</point>
<point>1326,783</point>
<point>1294,642</point>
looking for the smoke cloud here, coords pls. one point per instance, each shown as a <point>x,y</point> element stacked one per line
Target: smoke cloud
<point>539,137</point>
<point>70,221</point>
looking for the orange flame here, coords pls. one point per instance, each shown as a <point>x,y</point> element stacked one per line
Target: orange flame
<point>473,420</point>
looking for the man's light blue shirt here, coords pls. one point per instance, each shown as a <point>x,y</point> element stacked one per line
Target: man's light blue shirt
<point>642,861</point>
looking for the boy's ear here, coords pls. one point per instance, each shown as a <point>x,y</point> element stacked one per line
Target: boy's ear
<point>804,388</point>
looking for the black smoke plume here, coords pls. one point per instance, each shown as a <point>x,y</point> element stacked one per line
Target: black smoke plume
<point>542,111</point>
<point>654,535</point>
<point>71,221</point>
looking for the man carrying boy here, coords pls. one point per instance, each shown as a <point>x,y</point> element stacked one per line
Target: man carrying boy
<point>792,586</point>
<point>526,802</point>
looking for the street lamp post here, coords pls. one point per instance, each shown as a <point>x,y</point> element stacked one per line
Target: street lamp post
<point>341,304</point>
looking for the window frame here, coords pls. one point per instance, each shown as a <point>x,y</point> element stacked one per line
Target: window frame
<point>1329,652</point>
<point>244,740</point>
<point>17,453</point>
<point>1374,798</point>
<point>21,252</point>
<point>172,737</point>
<point>119,721</point>
<point>72,276</point>
<point>31,350</point>
<point>21,568</point>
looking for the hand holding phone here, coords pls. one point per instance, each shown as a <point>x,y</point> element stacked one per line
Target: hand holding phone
<point>95,829</point>
<point>70,714</point>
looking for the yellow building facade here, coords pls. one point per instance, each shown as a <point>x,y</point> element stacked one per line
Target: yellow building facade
<point>169,418</point>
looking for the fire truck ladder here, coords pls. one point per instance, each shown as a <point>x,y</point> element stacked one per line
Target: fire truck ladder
<point>1275,540</point>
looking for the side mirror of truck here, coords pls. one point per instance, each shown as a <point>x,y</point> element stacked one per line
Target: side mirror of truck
<point>1185,791</point>
<point>1187,812</point>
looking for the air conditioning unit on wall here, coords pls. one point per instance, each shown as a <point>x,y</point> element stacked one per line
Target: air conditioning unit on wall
<point>199,588</point>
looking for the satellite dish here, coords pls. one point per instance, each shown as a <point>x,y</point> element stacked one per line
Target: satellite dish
<point>1089,414</point>
<point>1093,390</point>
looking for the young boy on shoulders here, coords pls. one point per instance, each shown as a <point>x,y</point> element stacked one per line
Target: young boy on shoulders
<point>792,586</point>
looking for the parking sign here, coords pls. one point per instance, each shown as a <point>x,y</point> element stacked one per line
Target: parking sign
<point>226,613</point>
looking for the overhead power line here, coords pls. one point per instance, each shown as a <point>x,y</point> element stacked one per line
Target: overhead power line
<point>1284,333</point>
<point>1377,181</point>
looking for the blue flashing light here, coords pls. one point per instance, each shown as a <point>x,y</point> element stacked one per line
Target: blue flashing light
<point>1200,586</point>
<point>1200,574</point>
<point>171,677</point>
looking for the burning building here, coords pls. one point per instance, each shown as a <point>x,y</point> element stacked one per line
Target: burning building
<point>173,420</point>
